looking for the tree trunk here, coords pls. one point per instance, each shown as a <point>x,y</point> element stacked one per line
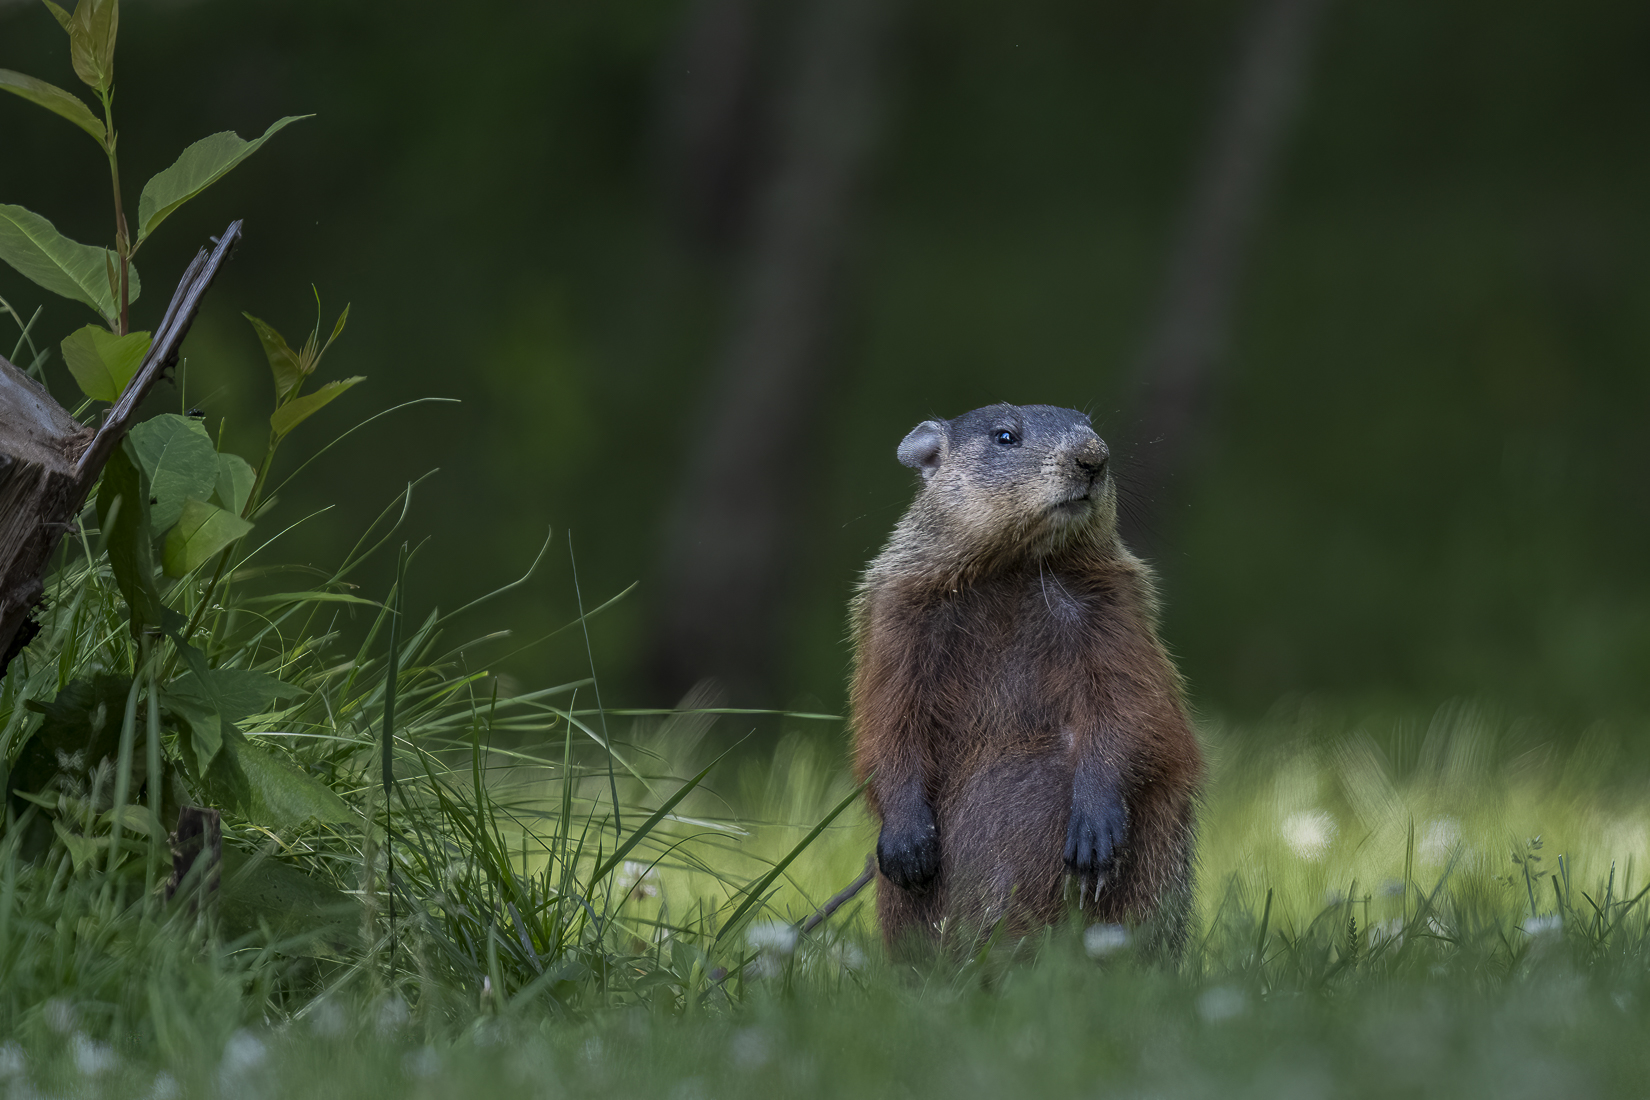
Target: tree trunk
<point>1176,374</point>
<point>729,540</point>
<point>712,142</point>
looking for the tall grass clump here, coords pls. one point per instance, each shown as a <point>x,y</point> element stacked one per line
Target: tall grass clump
<point>397,829</point>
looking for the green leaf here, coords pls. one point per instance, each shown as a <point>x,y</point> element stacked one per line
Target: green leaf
<point>236,693</point>
<point>205,727</point>
<point>101,362</point>
<point>92,31</point>
<point>80,728</point>
<point>298,410</point>
<point>130,539</point>
<point>283,361</point>
<point>63,17</point>
<point>259,890</point>
<point>54,99</point>
<point>179,461</point>
<point>201,531</point>
<point>282,795</point>
<point>235,481</point>
<point>201,165</point>
<point>82,849</point>
<point>211,701</point>
<point>311,597</point>
<point>76,271</point>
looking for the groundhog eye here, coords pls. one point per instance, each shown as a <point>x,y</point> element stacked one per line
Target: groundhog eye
<point>1007,439</point>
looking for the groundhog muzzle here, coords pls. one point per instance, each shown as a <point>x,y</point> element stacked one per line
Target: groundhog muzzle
<point>1021,723</point>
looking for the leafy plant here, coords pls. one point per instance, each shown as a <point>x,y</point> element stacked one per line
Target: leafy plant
<point>106,279</point>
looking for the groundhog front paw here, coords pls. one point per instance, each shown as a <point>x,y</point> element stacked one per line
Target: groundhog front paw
<point>1095,836</point>
<point>909,853</point>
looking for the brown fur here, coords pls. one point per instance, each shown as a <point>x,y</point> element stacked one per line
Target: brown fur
<point>1006,647</point>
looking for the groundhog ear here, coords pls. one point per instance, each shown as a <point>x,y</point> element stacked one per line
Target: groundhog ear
<point>924,448</point>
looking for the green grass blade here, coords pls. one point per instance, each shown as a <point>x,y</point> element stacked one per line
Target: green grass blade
<point>754,894</point>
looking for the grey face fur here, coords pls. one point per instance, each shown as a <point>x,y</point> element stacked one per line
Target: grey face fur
<point>1011,471</point>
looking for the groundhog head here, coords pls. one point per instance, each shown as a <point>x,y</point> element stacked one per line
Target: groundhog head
<point>1013,478</point>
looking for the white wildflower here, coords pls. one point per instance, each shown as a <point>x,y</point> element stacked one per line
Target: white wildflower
<point>327,1018</point>
<point>1552,923</point>
<point>91,1057</point>
<point>1100,940</point>
<point>1221,1003</point>
<point>12,1060</point>
<point>421,1063</point>
<point>750,1048</point>
<point>1388,931</point>
<point>1309,833</point>
<point>848,955</point>
<point>244,1052</point>
<point>165,1087</point>
<point>637,880</point>
<point>772,937</point>
<point>1439,839</point>
<point>393,1015</point>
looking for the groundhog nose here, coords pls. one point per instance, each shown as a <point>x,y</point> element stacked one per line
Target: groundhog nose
<point>1092,459</point>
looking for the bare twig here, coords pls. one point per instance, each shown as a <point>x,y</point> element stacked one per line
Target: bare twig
<point>842,897</point>
<point>163,353</point>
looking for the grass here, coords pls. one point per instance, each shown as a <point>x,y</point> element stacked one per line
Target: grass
<point>1379,917</point>
<point>545,898</point>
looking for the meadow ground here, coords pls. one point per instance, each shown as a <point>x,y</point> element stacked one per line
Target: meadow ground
<point>1449,908</point>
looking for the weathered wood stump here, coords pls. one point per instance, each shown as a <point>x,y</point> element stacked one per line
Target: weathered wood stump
<point>49,461</point>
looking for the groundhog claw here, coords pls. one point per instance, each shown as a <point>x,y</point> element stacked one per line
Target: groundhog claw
<point>1095,836</point>
<point>909,856</point>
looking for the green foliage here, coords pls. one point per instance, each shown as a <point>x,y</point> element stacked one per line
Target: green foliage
<point>199,167</point>
<point>179,462</point>
<point>105,279</point>
<point>234,485</point>
<point>123,514</point>
<point>289,369</point>
<point>300,409</point>
<point>54,99</point>
<point>101,362</point>
<point>76,271</point>
<point>92,28</point>
<point>283,361</point>
<point>201,532</point>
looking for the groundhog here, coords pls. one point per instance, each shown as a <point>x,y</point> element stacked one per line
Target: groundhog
<point>1016,715</point>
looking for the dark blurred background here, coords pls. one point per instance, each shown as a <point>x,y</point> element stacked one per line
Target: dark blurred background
<point>1358,289</point>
